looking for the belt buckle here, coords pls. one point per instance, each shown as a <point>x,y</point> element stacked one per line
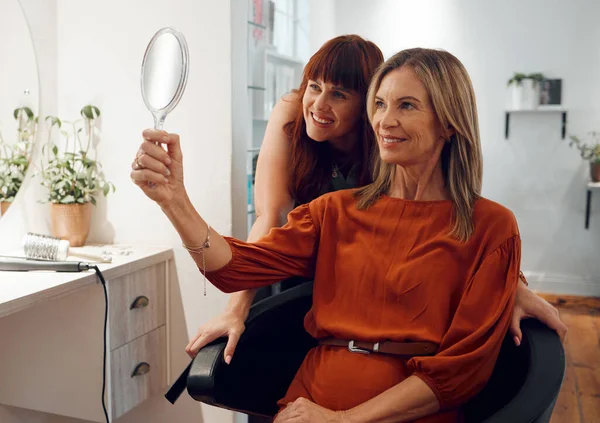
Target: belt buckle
<point>355,349</point>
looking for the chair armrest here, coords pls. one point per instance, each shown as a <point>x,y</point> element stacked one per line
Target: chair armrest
<point>267,357</point>
<point>526,380</point>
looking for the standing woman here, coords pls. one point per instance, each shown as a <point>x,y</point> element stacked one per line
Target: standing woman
<point>318,140</point>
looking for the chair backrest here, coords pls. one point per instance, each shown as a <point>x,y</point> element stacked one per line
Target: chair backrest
<point>523,387</point>
<point>526,380</point>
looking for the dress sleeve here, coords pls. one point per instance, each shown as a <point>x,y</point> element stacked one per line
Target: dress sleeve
<point>284,252</point>
<point>469,349</point>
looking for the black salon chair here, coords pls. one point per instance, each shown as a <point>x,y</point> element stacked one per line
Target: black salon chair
<point>523,388</point>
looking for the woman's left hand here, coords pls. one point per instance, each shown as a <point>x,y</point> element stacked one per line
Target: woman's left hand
<point>527,304</point>
<point>306,411</point>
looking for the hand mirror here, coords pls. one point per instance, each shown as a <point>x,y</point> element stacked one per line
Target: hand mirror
<point>164,73</point>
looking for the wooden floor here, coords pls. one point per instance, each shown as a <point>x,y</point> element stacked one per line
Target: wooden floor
<point>579,399</point>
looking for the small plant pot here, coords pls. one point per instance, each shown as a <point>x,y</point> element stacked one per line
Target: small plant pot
<point>4,205</point>
<point>71,222</point>
<point>595,171</point>
<point>524,96</point>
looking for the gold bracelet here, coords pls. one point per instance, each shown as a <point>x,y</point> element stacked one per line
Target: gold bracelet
<point>200,249</point>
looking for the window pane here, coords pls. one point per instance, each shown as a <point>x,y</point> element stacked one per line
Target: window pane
<point>256,50</point>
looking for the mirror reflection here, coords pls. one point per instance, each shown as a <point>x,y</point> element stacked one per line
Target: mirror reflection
<point>18,101</point>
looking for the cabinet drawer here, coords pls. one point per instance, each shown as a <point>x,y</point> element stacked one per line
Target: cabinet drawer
<point>149,355</point>
<point>137,304</point>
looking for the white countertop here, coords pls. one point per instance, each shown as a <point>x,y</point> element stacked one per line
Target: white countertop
<point>19,290</point>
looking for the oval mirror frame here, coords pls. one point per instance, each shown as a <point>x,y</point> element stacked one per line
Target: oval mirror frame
<point>30,99</point>
<point>161,113</point>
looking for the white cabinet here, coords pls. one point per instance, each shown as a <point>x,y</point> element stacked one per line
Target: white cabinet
<point>52,337</point>
<point>138,371</point>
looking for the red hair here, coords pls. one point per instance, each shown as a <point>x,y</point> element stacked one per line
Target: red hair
<point>348,61</point>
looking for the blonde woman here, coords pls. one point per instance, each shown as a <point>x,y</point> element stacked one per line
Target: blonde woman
<point>302,158</point>
<point>416,266</point>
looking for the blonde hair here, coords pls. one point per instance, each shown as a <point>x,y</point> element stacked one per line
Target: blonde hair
<point>453,98</point>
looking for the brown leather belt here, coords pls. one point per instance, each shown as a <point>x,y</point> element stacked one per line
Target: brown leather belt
<point>384,347</point>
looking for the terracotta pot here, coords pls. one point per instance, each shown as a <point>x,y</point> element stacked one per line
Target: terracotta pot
<point>71,222</point>
<point>4,205</point>
<point>595,171</point>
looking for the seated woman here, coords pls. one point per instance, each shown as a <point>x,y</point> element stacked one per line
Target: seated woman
<point>302,158</point>
<point>416,266</point>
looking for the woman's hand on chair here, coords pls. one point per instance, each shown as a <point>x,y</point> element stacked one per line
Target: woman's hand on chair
<point>228,324</point>
<point>303,410</point>
<point>157,172</point>
<point>528,304</point>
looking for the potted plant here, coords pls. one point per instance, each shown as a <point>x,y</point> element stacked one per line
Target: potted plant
<point>589,149</point>
<point>525,91</point>
<point>15,157</point>
<point>73,178</point>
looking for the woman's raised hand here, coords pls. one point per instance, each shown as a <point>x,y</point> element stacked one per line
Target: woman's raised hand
<point>157,172</point>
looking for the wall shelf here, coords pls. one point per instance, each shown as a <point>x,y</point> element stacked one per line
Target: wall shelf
<point>591,186</point>
<point>563,113</point>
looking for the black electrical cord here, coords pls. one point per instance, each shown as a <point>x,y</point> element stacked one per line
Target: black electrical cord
<point>103,281</point>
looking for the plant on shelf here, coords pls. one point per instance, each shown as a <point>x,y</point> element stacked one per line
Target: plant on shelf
<point>589,149</point>
<point>73,178</point>
<point>518,78</point>
<point>15,157</point>
<point>525,90</point>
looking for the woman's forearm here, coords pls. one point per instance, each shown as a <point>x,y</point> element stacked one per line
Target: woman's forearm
<point>409,400</point>
<point>240,302</point>
<point>193,231</point>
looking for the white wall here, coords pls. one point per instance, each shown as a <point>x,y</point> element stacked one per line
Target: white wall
<point>534,173</point>
<point>91,53</point>
<point>322,22</point>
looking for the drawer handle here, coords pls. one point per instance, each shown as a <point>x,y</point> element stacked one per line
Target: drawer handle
<point>140,302</point>
<point>141,369</point>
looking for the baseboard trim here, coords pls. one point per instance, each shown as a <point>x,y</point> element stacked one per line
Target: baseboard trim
<point>562,284</point>
<point>574,302</point>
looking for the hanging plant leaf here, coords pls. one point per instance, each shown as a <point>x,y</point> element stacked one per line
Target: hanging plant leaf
<point>25,110</point>
<point>90,112</point>
<point>54,121</point>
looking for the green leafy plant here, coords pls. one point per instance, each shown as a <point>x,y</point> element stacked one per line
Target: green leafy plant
<point>518,78</point>
<point>15,157</point>
<point>72,176</point>
<point>589,148</point>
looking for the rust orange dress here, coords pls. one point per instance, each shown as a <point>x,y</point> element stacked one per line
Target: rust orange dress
<point>390,272</point>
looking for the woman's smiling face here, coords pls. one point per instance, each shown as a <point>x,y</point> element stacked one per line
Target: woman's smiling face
<point>330,112</point>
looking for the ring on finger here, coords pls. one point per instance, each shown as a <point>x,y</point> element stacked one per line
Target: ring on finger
<point>137,162</point>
